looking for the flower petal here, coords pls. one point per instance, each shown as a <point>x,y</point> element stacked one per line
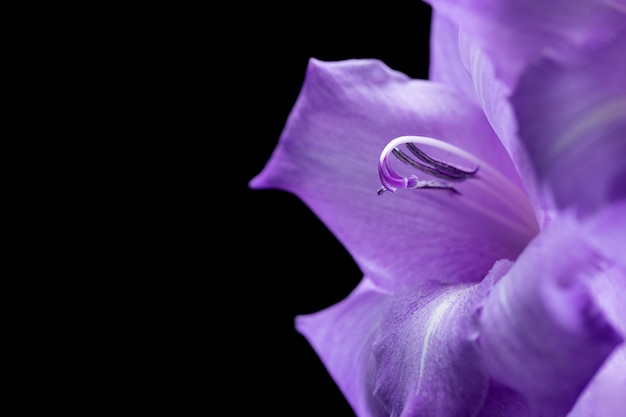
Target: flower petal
<point>329,152</point>
<point>497,41</point>
<point>606,230</point>
<point>410,353</point>
<point>342,336</point>
<point>572,119</point>
<point>542,333</point>
<point>493,96</point>
<point>513,32</point>
<point>450,45</point>
<point>427,361</point>
<point>446,65</point>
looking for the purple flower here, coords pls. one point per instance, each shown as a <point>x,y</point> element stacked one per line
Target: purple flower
<point>494,252</point>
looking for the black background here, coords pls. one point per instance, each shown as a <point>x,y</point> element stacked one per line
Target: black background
<point>275,258</point>
<point>188,281</point>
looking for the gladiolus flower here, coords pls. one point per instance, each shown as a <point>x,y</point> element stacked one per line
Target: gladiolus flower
<point>486,208</point>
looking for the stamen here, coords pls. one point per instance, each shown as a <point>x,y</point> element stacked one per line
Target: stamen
<point>440,169</point>
<point>451,170</point>
<point>491,181</point>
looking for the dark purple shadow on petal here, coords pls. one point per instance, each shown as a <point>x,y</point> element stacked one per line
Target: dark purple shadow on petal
<point>504,402</point>
<point>605,394</point>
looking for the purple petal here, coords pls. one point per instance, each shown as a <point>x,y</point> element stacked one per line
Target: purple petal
<point>427,361</point>
<point>606,229</point>
<point>513,32</point>
<point>329,152</point>
<point>499,39</point>
<point>572,120</point>
<point>342,336</point>
<point>542,333</point>
<point>449,46</point>
<point>446,65</point>
<point>493,96</point>
<point>411,353</point>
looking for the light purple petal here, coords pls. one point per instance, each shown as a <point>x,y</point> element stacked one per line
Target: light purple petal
<point>329,152</point>
<point>513,32</point>
<point>606,230</point>
<point>427,361</point>
<point>446,65</point>
<point>572,119</point>
<point>450,45</point>
<point>542,332</point>
<point>342,336</point>
<point>497,41</point>
<point>493,97</point>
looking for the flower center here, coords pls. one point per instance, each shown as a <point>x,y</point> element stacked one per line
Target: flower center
<point>484,189</point>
